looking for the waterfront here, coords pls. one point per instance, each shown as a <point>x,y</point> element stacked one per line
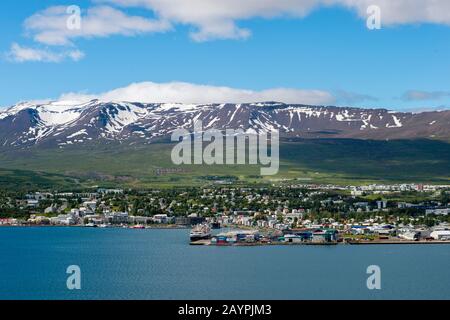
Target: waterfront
<point>160,264</point>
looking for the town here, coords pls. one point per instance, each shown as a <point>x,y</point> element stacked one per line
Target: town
<point>249,215</point>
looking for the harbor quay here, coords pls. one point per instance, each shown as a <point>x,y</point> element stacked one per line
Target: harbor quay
<point>318,236</point>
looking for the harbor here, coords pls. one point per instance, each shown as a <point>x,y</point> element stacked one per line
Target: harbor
<point>201,235</point>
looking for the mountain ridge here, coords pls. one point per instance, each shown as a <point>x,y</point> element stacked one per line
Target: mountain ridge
<point>63,123</point>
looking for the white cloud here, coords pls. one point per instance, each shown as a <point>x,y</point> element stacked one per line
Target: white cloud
<point>404,11</point>
<point>211,19</point>
<point>347,97</point>
<point>20,53</point>
<point>420,95</point>
<point>183,92</point>
<point>50,25</point>
<point>218,18</point>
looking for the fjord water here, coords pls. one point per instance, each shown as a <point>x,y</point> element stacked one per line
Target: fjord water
<point>159,264</point>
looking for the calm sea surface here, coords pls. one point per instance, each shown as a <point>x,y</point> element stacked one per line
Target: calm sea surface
<point>159,264</point>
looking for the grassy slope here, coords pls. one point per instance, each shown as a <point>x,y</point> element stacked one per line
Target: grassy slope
<point>391,161</point>
<point>24,180</point>
<point>333,161</point>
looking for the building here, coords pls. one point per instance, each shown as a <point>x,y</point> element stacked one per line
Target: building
<point>117,217</point>
<point>325,235</point>
<point>440,234</point>
<point>189,221</point>
<point>138,220</point>
<point>39,196</point>
<point>91,205</point>
<point>293,238</point>
<point>438,211</point>
<point>32,203</point>
<point>410,235</point>
<point>161,218</point>
<point>360,230</point>
<point>381,205</point>
<point>63,219</point>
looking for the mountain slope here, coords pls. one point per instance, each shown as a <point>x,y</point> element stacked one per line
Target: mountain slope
<point>59,124</point>
<point>341,161</point>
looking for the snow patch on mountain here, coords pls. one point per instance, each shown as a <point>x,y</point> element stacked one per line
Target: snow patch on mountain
<point>133,122</point>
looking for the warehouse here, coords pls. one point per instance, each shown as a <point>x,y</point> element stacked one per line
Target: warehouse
<point>440,235</point>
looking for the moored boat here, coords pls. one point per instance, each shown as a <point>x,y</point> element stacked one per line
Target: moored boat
<point>200,232</point>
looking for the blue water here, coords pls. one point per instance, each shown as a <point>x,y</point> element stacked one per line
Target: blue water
<point>159,264</point>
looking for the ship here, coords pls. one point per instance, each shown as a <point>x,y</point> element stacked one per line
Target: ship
<point>200,232</point>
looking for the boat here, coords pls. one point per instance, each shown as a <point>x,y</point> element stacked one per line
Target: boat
<point>91,225</point>
<point>200,232</point>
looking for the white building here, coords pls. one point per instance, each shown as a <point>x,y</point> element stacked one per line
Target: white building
<point>92,205</point>
<point>440,234</point>
<point>442,211</point>
<point>160,218</point>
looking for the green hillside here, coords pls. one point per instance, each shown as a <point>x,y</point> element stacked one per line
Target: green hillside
<point>340,161</point>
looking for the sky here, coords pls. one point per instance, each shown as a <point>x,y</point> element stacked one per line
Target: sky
<point>202,51</point>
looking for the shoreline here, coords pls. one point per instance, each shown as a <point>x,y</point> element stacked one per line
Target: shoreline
<point>162,227</point>
<point>248,244</point>
<point>256,244</point>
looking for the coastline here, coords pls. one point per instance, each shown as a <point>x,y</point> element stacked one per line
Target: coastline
<point>163,227</point>
<point>248,244</point>
<point>322,244</point>
<point>374,242</point>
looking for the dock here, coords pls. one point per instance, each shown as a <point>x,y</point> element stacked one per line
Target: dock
<point>397,242</point>
<point>279,243</point>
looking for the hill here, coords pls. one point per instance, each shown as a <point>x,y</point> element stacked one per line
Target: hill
<point>342,161</point>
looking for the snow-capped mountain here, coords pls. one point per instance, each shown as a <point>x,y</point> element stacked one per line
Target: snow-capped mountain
<point>64,123</point>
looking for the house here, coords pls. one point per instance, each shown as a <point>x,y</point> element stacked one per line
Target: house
<point>110,191</point>
<point>39,196</point>
<point>51,209</point>
<point>92,205</point>
<point>32,203</point>
<point>438,211</point>
<point>160,218</point>
<point>262,223</point>
<point>75,212</point>
<point>8,221</point>
<point>294,215</point>
<point>39,220</point>
<point>94,218</point>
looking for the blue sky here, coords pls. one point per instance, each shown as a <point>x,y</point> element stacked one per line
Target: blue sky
<point>402,66</point>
